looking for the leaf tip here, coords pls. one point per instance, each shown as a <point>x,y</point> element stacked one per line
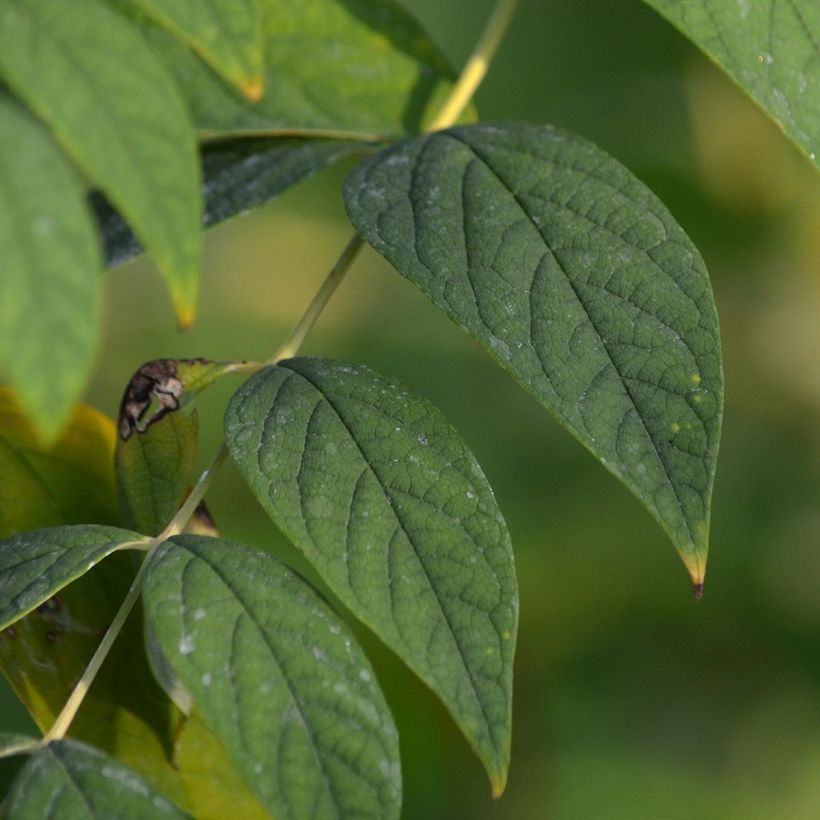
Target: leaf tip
<point>698,589</point>
<point>254,89</point>
<point>185,315</point>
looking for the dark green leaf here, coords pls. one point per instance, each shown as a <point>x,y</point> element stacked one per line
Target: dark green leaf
<point>35,565</point>
<point>225,33</point>
<point>382,496</point>
<point>69,780</point>
<point>89,75</point>
<point>352,66</point>
<point>770,48</point>
<point>154,470</point>
<point>277,677</point>
<point>238,176</point>
<point>579,282</point>
<point>49,272</point>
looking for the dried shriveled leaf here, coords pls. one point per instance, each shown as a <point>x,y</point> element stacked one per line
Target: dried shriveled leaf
<point>580,283</point>
<point>383,497</point>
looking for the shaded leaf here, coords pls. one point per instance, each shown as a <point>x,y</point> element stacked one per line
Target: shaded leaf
<point>225,33</point>
<point>49,272</point>
<point>34,565</point>
<point>154,470</point>
<point>277,677</point>
<point>238,175</point>
<point>68,779</point>
<point>348,66</point>
<point>89,75</point>
<point>579,282</point>
<point>770,48</point>
<point>385,500</point>
<point>69,483</point>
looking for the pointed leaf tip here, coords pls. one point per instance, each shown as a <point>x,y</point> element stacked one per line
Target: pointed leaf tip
<point>698,592</point>
<point>254,90</point>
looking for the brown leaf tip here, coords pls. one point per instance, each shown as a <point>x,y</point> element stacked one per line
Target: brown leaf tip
<point>698,589</point>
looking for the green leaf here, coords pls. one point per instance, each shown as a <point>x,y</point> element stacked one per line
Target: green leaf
<point>238,175</point>
<point>67,779</point>
<point>49,272</point>
<point>277,677</point>
<point>227,34</point>
<point>11,744</point>
<point>154,470</point>
<point>579,282</point>
<point>34,565</point>
<point>393,511</point>
<point>71,482</point>
<point>360,67</point>
<point>770,48</point>
<point>89,75</point>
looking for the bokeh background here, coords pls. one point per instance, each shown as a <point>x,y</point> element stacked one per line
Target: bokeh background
<point>631,701</point>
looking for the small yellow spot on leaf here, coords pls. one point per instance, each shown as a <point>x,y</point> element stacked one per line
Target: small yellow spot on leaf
<point>675,427</point>
<point>695,379</point>
<point>254,90</point>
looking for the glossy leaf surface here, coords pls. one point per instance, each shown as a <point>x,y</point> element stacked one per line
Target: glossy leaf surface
<point>770,48</point>
<point>277,677</point>
<point>87,72</point>
<point>68,779</point>
<point>227,34</point>
<point>34,565</point>
<point>579,282</point>
<point>385,500</point>
<point>347,66</point>
<point>49,271</point>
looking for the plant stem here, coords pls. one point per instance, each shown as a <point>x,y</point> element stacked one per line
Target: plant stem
<point>477,66</point>
<point>297,336</point>
<point>463,91</point>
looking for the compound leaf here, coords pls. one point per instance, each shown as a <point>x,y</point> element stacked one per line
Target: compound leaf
<point>277,677</point>
<point>352,66</point>
<point>88,74</point>
<point>49,272</point>
<point>770,48</point>
<point>579,282</point>
<point>385,500</point>
<point>34,565</point>
<point>227,34</point>
<point>73,780</point>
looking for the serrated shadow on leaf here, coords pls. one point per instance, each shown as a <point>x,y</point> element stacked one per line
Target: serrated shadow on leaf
<point>393,511</point>
<point>277,677</point>
<point>579,282</point>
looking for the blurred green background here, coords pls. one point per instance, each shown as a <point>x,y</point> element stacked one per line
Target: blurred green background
<point>631,701</point>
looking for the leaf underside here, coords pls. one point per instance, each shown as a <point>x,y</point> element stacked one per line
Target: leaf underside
<point>385,500</point>
<point>579,282</point>
<point>770,48</point>
<point>277,677</point>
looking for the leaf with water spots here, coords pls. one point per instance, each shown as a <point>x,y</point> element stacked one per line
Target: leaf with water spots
<point>34,565</point>
<point>770,48</point>
<point>277,677</point>
<point>72,780</point>
<point>580,283</point>
<point>393,511</point>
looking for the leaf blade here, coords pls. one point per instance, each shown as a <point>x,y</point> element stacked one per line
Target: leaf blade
<point>226,34</point>
<point>34,565</point>
<point>89,75</point>
<point>50,272</point>
<point>770,49</point>
<point>410,539</point>
<point>289,725</point>
<point>579,282</point>
<point>76,780</point>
